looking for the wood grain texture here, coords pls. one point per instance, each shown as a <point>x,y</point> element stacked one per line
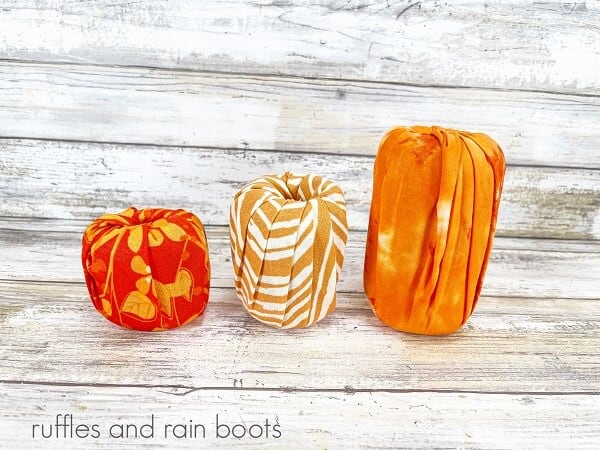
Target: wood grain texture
<point>534,268</point>
<point>107,104</point>
<point>379,419</point>
<point>507,345</point>
<point>511,44</point>
<point>537,202</point>
<point>147,106</point>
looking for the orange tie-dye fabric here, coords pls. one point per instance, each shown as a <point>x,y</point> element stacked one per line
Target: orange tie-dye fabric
<point>288,235</point>
<point>435,203</point>
<point>147,269</point>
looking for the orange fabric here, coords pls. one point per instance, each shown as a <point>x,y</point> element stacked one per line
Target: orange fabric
<point>147,269</point>
<point>433,215</point>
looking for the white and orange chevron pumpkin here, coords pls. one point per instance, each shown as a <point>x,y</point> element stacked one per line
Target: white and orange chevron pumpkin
<point>288,235</point>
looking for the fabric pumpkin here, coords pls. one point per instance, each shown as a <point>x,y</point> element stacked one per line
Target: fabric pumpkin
<point>288,235</point>
<point>147,269</point>
<point>435,202</point>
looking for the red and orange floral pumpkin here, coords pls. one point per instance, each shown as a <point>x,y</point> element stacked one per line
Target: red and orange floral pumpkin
<point>147,269</point>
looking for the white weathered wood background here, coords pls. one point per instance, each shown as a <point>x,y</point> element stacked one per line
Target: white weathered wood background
<point>106,104</point>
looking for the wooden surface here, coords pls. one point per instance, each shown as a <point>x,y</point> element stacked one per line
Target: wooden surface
<point>179,103</point>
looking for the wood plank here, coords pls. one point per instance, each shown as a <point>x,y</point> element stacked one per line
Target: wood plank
<point>47,225</point>
<point>508,345</point>
<point>368,420</point>
<point>518,267</point>
<point>544,45</point>
<point>537,202</point>
<point>137,105</point>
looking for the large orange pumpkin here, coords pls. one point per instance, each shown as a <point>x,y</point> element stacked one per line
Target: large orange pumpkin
<point>433,215</point>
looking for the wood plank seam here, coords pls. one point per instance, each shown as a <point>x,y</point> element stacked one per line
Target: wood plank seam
<point>277,76</point>
<point>345,390</point>
<point>279,150</point>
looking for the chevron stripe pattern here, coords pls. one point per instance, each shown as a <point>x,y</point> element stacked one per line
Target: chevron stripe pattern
<point>288,236</point>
